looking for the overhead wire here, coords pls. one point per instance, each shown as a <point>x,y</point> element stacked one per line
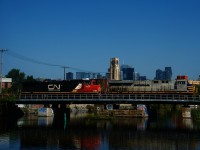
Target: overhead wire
<point>27,59</point>
<point>24,58</point>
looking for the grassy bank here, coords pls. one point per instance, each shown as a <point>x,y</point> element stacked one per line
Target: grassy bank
<point>196,114</point>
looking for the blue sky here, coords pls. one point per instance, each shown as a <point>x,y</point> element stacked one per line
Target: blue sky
<point>85,34</point>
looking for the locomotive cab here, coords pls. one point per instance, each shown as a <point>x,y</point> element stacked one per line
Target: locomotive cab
<point>88,86</point>
<point>181,83</point>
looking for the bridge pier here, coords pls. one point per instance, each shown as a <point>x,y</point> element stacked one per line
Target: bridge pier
<point>61,114</point>
<point>186,111</point>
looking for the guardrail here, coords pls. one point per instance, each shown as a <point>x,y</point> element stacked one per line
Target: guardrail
<point>118,98</point>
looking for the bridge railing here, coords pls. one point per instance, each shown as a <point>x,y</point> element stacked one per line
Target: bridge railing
<point>107,96</point>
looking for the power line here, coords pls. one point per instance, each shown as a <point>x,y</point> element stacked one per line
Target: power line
<point>24,58</point>
<point>27,59</point>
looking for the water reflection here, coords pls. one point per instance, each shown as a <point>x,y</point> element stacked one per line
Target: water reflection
<point>36,121</point>
<point>79,132</point>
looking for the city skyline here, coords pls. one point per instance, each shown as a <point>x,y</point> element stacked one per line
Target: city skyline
<point>147,35</point>
<point>89,74</point>
<point>103,74</point>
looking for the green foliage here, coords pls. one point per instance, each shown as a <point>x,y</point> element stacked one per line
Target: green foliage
<point>8,98</point>
<point>90,108</point>
<point>196,114</point>
<point>16,75</point>
<point>198,89</point>
<point>30,78</point>
<point>17,78</point>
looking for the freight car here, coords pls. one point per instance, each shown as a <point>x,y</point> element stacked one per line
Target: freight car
<point>61,87</point>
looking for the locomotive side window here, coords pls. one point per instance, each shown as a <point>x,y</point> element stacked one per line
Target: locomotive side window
<point>181,82</point>
<point>155,81</point>
<point>165,81</point>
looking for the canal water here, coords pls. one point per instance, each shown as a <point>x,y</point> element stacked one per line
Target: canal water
<point>168,131</point>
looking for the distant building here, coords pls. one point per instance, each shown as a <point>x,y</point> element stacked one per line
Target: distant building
<point>127,72</point>
<point>164,75</point>
<point>114,69</point>
<point>136,76</point>
<point>6,83</point>
<point>142,78</point>
<point>107,75</point>
<point>81,75</point>
<point>159,75</point>
<point>69,76</point>
<point>168,73</point>
<point>89,75</point>
<point>99,76</point>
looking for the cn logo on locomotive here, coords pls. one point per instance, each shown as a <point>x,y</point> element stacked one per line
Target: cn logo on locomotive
<point>53,87</point>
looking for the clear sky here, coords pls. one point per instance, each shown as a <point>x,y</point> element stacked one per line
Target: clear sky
<point>85,34</point>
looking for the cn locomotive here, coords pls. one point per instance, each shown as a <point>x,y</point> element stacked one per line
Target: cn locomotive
<point>178,86</point>
<point>104,86</point>
<point>60,87</point>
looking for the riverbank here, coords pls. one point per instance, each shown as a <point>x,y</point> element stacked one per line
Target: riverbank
<point>9,109</point>
<point>196,114</point>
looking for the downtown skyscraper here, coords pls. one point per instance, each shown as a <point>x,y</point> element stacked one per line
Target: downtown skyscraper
<point>164,75</point>
<point>114,69</point>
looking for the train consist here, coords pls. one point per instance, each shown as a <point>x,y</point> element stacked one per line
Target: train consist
<point>179,86</point>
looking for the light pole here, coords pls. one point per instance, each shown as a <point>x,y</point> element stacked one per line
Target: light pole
<point>1,68</point>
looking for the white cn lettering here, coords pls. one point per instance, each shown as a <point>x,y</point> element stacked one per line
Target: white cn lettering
<point>54,87</point>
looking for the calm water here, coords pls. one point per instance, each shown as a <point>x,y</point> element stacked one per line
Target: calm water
<point>164,133</point>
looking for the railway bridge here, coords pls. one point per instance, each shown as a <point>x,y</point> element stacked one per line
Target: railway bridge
<point>59,101</point>
<point>108,99</point>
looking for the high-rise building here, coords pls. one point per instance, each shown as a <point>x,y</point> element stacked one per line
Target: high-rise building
<point>136,76</point>
<point>168,73</point>
<point>127,72</point>
<point>164,75</point>
<point>114,69</point>
<point>69,76</point>
<point>159,75</point>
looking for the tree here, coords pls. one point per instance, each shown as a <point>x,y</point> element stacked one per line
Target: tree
<point>16,75</point>
<point>30,78</point>
<point>17,78</point>
<point>198,89</point>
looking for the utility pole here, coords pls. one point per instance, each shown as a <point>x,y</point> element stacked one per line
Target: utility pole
<point>1,68</point>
